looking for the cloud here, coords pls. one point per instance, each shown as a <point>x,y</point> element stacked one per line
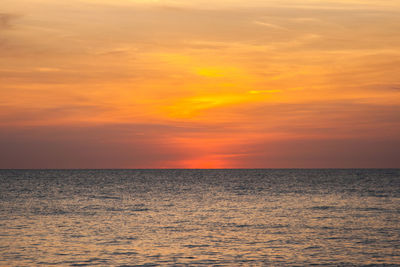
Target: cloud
<point>270,25</point>
<point>320,153</point>
<point>304,19</point>
<point>296,135</point>
<point>46,69</point>
<point>323,119</point>
<point>6,20</point>
<point>128,145</point>
<point>111,146</point>
<point>110,53</point>
<point>264,91</point>
<point>54,75</point>
<point>10,47</point>
<point>382,87</point>
<point>10,115</point>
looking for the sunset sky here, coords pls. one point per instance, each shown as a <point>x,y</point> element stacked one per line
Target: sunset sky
<point>199,83</point>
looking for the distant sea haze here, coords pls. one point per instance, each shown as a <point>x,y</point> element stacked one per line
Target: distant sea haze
<point>259,217</point>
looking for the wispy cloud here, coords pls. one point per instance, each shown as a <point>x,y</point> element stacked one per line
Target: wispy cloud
<point>269,25</point>
<point>254,92</point>
<point>6,20</point>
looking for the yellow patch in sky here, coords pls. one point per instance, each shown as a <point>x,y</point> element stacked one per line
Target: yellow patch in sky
<point>190,108</point>
<point>216,72</point>
<point>254,92</point>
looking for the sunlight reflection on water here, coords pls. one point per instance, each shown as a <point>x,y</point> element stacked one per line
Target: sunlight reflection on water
<point>199,217</point>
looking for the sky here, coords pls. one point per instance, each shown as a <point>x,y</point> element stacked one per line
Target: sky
<point>200,84</point>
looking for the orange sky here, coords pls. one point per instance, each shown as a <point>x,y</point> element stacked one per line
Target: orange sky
<point>199,84</point>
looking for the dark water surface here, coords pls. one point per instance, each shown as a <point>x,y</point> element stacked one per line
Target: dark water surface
<point>199,217</point>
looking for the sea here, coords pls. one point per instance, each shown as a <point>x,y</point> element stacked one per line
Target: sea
<point>227,217</point>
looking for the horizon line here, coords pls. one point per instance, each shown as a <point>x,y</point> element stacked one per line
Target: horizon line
<point>284,168</point>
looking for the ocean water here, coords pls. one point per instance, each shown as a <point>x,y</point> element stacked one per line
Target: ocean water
<point>200,217</point>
